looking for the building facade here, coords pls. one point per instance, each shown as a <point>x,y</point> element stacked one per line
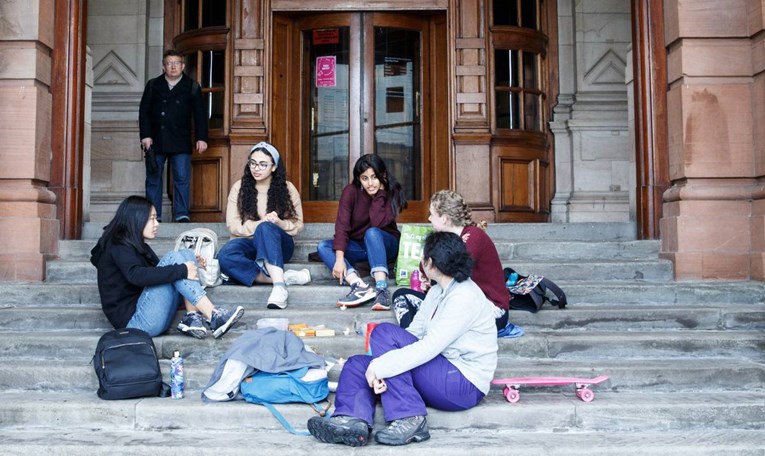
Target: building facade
<point>535,110</point>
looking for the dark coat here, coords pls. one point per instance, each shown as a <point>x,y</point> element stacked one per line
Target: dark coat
<point>123,273</point>
<point>165,115</point>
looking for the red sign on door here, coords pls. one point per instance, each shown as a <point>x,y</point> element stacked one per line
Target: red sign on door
<point>325,71</point>
<point>326,36</point>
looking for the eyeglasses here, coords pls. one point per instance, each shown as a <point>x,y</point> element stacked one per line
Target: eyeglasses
<point>258,165</point>
<point>173,64</point>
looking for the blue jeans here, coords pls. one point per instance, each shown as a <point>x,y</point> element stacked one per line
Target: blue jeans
<point>180,166</point>
<point>379,248</point>
<point>243,258</point>
<point>437,383</point>
<point>158,304</point>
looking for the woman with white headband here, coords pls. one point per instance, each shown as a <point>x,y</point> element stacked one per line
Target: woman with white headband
<point>263,214</point>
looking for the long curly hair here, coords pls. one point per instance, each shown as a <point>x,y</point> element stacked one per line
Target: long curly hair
<point>449,255</point>
<point>278,194</point>
<point>452,205</point>
<point>386,179</point>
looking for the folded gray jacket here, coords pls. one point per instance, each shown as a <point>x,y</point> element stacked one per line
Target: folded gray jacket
<point>265,349</point>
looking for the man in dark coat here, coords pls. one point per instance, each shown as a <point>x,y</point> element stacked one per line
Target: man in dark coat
<point>167,106</point>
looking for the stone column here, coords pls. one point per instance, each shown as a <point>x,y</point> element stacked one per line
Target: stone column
<point>126,43</point>
<point>29,230</point>
<point>713,213</point>
<point>593,154</point>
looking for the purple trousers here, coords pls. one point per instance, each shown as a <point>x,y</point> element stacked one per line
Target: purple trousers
<point>437,383</point>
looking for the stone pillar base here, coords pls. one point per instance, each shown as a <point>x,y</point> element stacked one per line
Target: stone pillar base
<point>710,238</point>
<point>29,235</point>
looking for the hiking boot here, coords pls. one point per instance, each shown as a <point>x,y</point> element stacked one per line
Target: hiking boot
<point>382,300</point>
<point>300,277</point>
<point>359,294</point>
<point>193,324</point>
<point>278,298</point>
<point>404,431</point>
<point>223,319</point>
<point>340,429</point>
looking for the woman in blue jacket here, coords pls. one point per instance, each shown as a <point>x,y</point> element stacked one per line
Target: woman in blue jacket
<point>138,290</point>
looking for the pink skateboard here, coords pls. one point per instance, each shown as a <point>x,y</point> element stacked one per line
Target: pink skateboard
<point>583,390</point>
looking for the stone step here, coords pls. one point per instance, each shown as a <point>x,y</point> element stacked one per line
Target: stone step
<point>605,270</point>
<point>505,439</point>
<point>78,346</point>
<point>597,232</point>
<point>536,412</point>
<point>574,318</point>
<point>581,292</point>
<point>509,251</point>
<point>697,374</point>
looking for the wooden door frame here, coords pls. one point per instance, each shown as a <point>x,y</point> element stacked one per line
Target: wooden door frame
<point>649,58</point>
<point>68,68</point>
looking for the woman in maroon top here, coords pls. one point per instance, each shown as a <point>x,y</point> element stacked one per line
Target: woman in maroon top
<point>365,230</point>
<point>449,212</point>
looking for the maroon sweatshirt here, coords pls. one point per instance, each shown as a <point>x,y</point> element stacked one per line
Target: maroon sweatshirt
<point>358,212</point>
<point>487,272</point>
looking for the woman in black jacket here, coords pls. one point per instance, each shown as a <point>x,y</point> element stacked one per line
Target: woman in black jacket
<point>138,290</point>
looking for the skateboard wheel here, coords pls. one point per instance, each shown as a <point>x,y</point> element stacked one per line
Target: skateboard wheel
<point>512,395</point>
<point>585,394</point>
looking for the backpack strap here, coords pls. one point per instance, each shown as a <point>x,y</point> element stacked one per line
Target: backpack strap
<point>317,407</point>
<point>550,285</point>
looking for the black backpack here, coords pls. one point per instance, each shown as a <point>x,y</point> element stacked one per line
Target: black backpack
<point>126,365</point>
<point>530,292</point>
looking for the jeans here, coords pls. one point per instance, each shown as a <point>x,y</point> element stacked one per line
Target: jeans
<point>379,248</point>
<point>180,166</point>
<point>437,383</point>
<point>158,304</point>
<point>243,258</point>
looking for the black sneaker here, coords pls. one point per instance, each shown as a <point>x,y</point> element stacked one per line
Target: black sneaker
<point>359,294</point>
<point>193,324</point>
<point>404,431</point>
<point>382,300</point>
<point>340,429</point>
<point>223,319</point>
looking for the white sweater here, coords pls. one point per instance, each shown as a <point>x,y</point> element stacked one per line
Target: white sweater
<point>458,323</point>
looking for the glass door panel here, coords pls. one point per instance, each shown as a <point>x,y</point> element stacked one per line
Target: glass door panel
<point>328,53</point>
<point>397,105</point>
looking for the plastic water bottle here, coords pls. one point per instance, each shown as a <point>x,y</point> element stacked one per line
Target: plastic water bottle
<point>512,279</point>
<point>176,375</point>
<point>414,281</point>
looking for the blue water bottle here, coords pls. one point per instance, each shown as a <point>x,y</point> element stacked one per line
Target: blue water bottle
<point>512,279</point>
<point>176,375</point>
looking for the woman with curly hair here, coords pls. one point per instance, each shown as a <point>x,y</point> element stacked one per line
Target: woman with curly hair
<point>449,212</point>
<point>263,214</point>
<point>365,230</point>
<point>445,359</point>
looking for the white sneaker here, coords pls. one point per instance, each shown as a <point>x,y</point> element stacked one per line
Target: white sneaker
<point>278,298</point>
<point>300,277</point>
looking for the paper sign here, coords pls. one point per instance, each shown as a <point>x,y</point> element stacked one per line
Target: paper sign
<point>325,71</point>
<point>326,36</point>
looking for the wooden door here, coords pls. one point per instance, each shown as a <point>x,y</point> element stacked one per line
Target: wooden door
<point>348,84</point>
